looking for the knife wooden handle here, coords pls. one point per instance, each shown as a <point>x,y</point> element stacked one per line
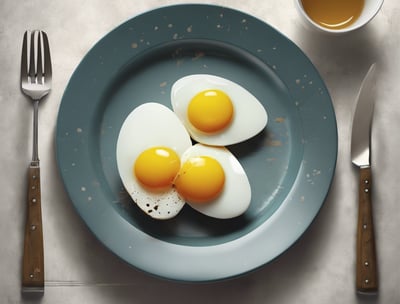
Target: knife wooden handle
<point>367,272</point>
<point>33,259</point>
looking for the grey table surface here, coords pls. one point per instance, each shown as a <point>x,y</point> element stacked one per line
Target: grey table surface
<point>319,268</point>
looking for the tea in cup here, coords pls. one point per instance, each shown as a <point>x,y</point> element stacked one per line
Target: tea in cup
<point>338,16</point>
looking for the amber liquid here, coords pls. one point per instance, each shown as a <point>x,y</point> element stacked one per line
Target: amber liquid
<point>333,14</point>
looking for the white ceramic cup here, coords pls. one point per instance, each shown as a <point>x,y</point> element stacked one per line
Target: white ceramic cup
<point>371,8</point>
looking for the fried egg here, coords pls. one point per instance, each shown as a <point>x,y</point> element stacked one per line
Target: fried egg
<point>217,111</point>
<point>150,144</point>
<point>213,182</point>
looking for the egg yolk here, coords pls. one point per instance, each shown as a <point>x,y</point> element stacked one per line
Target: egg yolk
<point>210,111</point>
<point>157,167</point>
<point>200,180</point>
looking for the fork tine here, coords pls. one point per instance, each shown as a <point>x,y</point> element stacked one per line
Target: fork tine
<point>47,59</point>
<point>24,58</point>
<point>39,63</point>
<point>31,70</point>
<point>35,65</point>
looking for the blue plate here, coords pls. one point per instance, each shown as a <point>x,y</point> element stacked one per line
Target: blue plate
<point>290,164</point>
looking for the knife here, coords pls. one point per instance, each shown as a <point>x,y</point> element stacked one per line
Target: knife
<point>366,265</point>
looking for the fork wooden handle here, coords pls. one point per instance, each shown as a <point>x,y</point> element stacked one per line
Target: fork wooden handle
<point>33,259</point>
<point>366,276</point>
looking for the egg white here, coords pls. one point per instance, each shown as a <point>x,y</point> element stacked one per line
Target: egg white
<point>236,195</point>
<point>250,117</point>
<point>148,125</point>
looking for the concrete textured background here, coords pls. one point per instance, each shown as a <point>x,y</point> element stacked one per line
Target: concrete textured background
<point>317,269</point>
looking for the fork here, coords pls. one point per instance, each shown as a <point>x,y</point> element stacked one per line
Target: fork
<point>36,83</point>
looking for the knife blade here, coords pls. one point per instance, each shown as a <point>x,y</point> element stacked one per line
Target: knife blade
<point>366,263</point>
